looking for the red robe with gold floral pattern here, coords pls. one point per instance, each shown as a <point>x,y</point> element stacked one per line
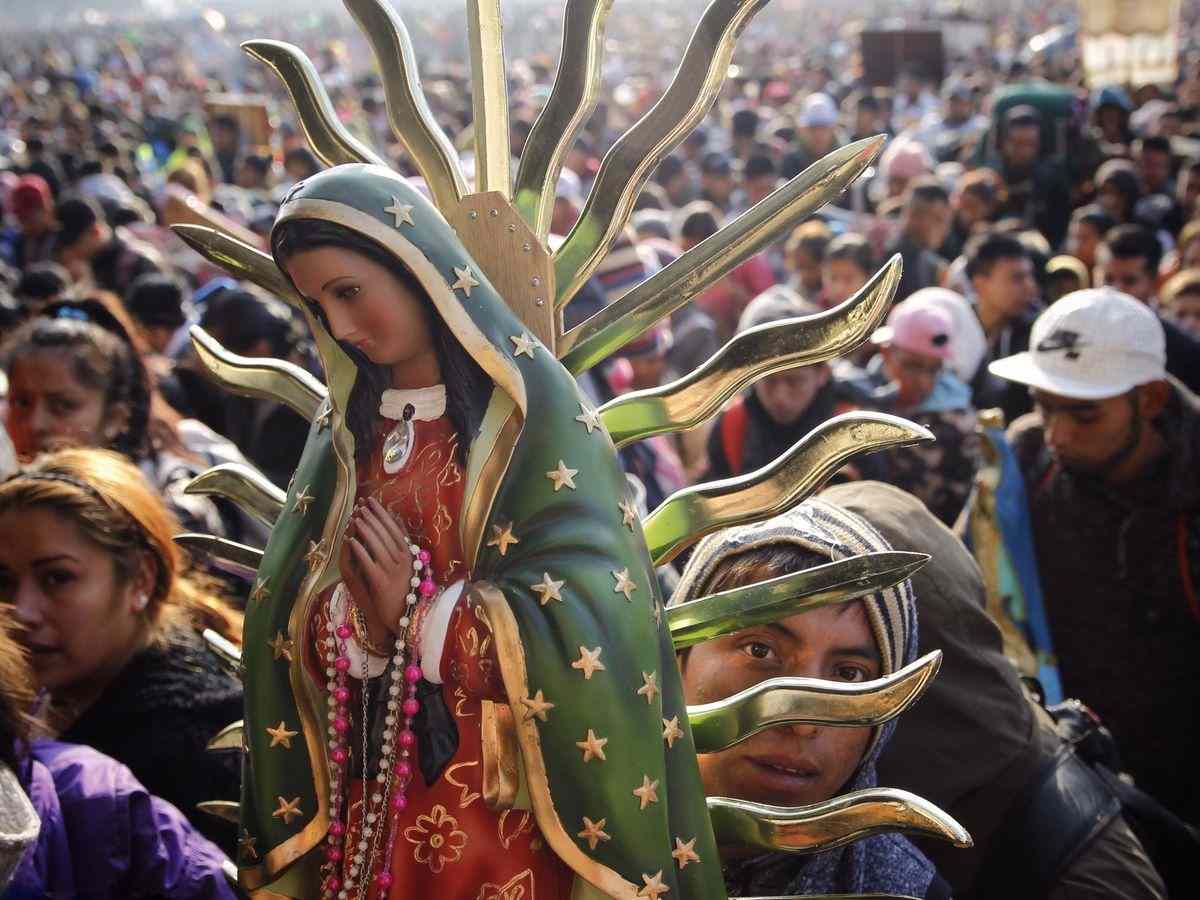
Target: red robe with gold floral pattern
<point>449,844</point>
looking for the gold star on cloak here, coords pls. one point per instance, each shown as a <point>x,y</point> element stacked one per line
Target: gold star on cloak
<point>563,476</point>
<point>246,845</point>
<point>287,809</point>
<point>402,211</point>
<point>261,591</point>
<point>282,646</point>
<point>324,418</point>
<point>537,706</point>
<point>548,590</point>
<point>588,662</point>
<point>502,537</point>
<point>654,886</point>
<point>671,731</point>
<point>302,501</point>
<point>593,832</point>
<point>316,554</point>
<point>592,746</point>
<point>624,584</point>
<point>647,793</point>
<point>523,345</point>
<point>590,417</point>
<point>685,853</point>
<point>280,735</point>
<point>629,513</point>
<point>649,686</point>
<point>465,282</point>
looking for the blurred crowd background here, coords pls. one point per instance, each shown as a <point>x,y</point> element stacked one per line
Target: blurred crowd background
<point>1014,175</point>
<point>1009,180</point>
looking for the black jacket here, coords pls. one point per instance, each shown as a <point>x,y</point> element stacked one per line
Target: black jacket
<point>988,390</point>
<point>763,439</point>
<point>158,715</point>
<point>1040,197</point>
<point>122,261</point>
<point>1183,355</point>
<point>1120,571</point>
<point>975,744</point>
<point>922,268</point>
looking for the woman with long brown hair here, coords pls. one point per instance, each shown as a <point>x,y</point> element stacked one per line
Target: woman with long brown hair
<point>110,617</point>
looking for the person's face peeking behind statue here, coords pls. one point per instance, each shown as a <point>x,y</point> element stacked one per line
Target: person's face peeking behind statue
<point>794,764</point>
<point>786,396</point>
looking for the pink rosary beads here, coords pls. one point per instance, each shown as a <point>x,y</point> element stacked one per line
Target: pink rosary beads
<point>389,795</point>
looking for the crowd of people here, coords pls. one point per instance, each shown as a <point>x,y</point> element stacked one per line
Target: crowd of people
<point>1050,241</point>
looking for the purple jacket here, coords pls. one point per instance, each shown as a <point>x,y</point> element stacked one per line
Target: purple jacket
<point>104,836</point>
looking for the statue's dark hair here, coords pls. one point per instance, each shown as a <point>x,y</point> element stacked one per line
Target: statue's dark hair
<point>468,387</point>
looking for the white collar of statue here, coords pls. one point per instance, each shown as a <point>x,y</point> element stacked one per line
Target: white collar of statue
<point>422,404</point>
<point>428,403</point>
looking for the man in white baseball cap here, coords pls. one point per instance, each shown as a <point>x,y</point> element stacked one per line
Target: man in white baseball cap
<point>1111,464</point>
<point>1091,345</point>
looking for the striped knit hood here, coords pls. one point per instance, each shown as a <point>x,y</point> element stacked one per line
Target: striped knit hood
<point>884,863</point>
<point>832,532</point>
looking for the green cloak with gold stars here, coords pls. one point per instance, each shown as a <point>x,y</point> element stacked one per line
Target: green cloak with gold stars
<point>517,530</point>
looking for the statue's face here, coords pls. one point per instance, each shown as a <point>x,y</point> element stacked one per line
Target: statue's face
<point>794,764</point>
<point>366,304</point>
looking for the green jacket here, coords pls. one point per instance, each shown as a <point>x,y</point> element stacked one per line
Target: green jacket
<point>579,536</point>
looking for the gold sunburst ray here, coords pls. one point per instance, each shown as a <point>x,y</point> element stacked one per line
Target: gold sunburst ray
<point>244,486</point>
<point>228,738</point>
<point>791,701</point>
<point>489,97</point>
<point>228,810</point>
<point>411,119</point>
<point>239,259</point>
<point>753,354</point>
<point>263,378</point>
<point>676,284</point>
<point>227,653</point>
<point>629,163</point>
<point>787,595</point>
<point>834,823</point>
<point>185,208</point>
<point>572,98</point>
<point>228,556</point>
<point>329,139</point>
<point>689,514</point>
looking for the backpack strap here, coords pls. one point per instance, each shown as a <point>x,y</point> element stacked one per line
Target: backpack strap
<point>1057,815</point>
<point>1185,550</point>
<point>733,434</point>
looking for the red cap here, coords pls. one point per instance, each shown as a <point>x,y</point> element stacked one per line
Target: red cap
<point>31,192</point>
